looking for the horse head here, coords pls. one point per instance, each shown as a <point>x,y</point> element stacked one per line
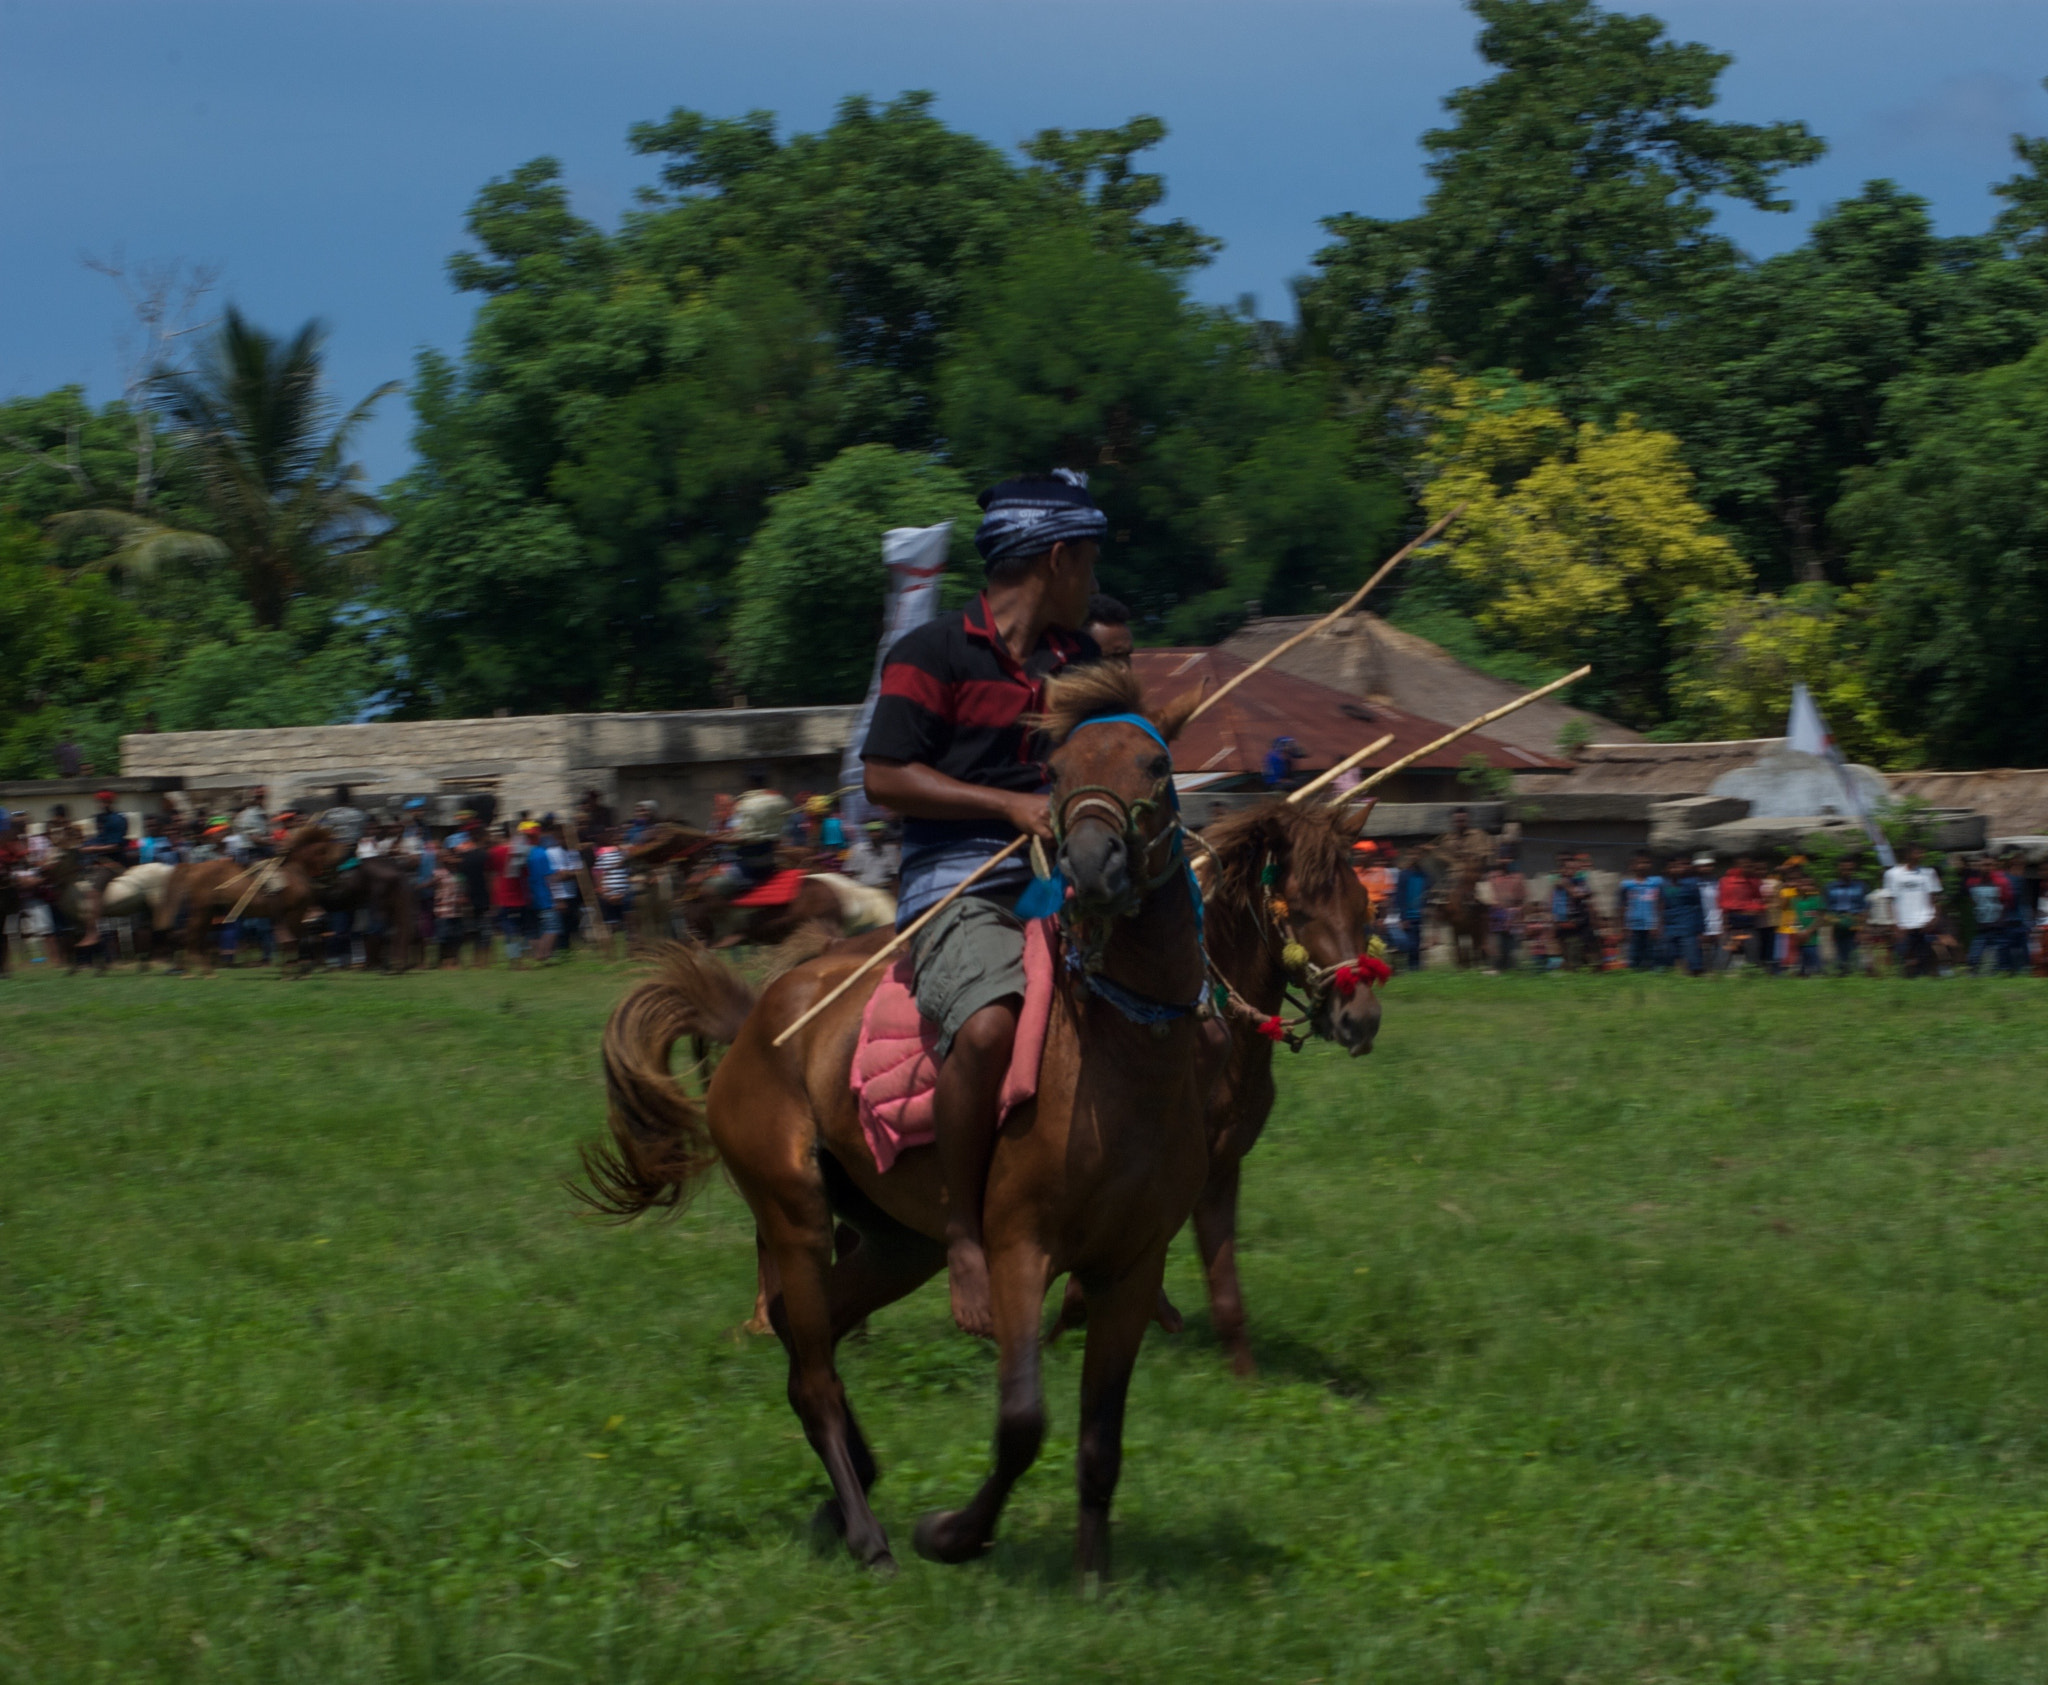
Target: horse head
<point>1282,886</point>
<point>1115,819</point>
<point>313,849</point>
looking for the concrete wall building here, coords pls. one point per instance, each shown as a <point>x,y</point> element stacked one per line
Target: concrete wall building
<point>539,763</point>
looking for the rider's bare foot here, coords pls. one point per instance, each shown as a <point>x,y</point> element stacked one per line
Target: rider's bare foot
<point>967,1272</point>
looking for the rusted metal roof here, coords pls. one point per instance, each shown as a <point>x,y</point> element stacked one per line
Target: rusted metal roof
<point>1366,657</point>
<point>1234,736</point>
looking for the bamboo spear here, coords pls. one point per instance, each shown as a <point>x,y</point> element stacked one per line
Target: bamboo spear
<point>1465,730</point>
<point>1337,613</point>
<point>1343,766</point>
<point>903,936</point>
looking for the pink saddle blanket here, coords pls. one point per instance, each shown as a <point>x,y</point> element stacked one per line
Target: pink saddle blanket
<point>893,1068</point>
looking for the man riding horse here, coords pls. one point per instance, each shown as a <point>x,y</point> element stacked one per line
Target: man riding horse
<point>949,750</point>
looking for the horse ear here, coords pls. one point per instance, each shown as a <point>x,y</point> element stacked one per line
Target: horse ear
<point>1351,818</point>
<point>1173,715</point>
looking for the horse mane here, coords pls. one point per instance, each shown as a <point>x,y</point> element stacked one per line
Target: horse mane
<point>305,837</point>
<point>1315,838</point>
<point>1087,693</point>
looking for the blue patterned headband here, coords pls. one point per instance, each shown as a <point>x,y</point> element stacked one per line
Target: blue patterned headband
<point>1028,517</point>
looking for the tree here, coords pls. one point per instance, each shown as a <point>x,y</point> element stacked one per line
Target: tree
<point>1224,480</point>
<point>278,499</point>
<point>1577,542</point>
<point>1951,537</point>
<point>74,659</point>
<point>1779,381</point>
<point>630,403</point>
<point>809,590</point>
<point>1572,200</point>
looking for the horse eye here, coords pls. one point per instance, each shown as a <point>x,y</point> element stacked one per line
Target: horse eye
<point>1159,766</point>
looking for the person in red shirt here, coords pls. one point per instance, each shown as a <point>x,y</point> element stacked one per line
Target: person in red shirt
<point>508,897</point>
<point>1743,925</point>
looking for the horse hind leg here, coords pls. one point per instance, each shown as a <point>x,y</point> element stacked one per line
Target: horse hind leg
<point>799,1245</point>
<point>1215,1221</point>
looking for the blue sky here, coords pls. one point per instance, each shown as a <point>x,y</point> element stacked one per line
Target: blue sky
<point>321,152</point>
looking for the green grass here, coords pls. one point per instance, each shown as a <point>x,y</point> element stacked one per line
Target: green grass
<point>1609,1330</point>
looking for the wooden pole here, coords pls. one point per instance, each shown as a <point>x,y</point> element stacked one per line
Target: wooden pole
<point>1338,613</point>
<point>1342,767</point>
<point>1465,730</point>
<point>904,935</point>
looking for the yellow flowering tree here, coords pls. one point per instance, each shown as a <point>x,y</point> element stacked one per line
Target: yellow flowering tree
<point>1578,542</point>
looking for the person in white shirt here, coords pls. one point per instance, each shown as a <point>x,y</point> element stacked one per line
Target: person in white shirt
<point>1912,888</point>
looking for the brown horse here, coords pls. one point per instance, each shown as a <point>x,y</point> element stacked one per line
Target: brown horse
<point>1273,876</point>
<point>828,898</point>
<point>1093,1177</point>
<point>657,863</point>
<point>1467,916</point>
<point>280,889</point>
<point>385,887</point>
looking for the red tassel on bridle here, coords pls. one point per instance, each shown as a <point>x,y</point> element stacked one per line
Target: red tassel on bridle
<point>1368,969</point>
<point>1273,1030</point>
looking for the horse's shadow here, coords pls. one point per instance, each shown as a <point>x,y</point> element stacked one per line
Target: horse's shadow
<point>1279,1357</point>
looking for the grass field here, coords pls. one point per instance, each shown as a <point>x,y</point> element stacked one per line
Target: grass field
<point>1609,1331</point>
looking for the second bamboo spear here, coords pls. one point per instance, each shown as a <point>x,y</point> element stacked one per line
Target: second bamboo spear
<point>1465,730</point>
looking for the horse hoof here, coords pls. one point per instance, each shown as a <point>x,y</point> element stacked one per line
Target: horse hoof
<point>882,1566</point>
<point>942,1536</point>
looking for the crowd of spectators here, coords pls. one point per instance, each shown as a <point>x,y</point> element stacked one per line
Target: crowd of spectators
<point>531,889</point>
<point>1787,913</point>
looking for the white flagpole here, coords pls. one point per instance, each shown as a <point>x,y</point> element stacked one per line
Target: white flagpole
<point>1808,734</point>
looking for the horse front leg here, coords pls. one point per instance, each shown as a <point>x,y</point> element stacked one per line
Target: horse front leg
<point>1117,1314</point>
<point>1018,1275</point>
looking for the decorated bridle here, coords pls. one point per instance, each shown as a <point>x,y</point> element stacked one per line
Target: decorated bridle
<point>1309,986</point>
<point>1088,936</point>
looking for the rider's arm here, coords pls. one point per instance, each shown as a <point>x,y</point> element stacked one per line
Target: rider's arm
<point>918,791</point>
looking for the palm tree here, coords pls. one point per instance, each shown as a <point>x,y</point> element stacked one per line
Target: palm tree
<point>284,506</point>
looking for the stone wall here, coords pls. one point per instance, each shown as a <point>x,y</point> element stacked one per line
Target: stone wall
<point>537,762</point>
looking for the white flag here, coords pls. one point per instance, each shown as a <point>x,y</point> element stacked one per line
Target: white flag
<point>916,560</point>
<point>1806,731</point>
<point>1807,734</point>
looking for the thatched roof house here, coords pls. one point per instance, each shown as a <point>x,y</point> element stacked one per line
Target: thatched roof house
<point>1366,657</point>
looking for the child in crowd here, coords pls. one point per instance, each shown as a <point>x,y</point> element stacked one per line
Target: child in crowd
<point>1411,900</point>
<point>1807,906</point>
<point>1847,900</point>
<point>614,882</point>
<point>1505,915</point>
<point>451,903</point>
<point>1642,914</point>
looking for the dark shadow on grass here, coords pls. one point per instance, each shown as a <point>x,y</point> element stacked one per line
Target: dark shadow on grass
<point>1280,1357</point>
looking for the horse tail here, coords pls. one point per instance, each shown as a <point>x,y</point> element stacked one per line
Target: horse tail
<point>660,1144</point>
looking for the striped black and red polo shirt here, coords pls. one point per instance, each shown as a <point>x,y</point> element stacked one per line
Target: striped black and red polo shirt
<point>953,698</point>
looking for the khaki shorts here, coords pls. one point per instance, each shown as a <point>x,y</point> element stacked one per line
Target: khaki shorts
<point>969,957</point>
